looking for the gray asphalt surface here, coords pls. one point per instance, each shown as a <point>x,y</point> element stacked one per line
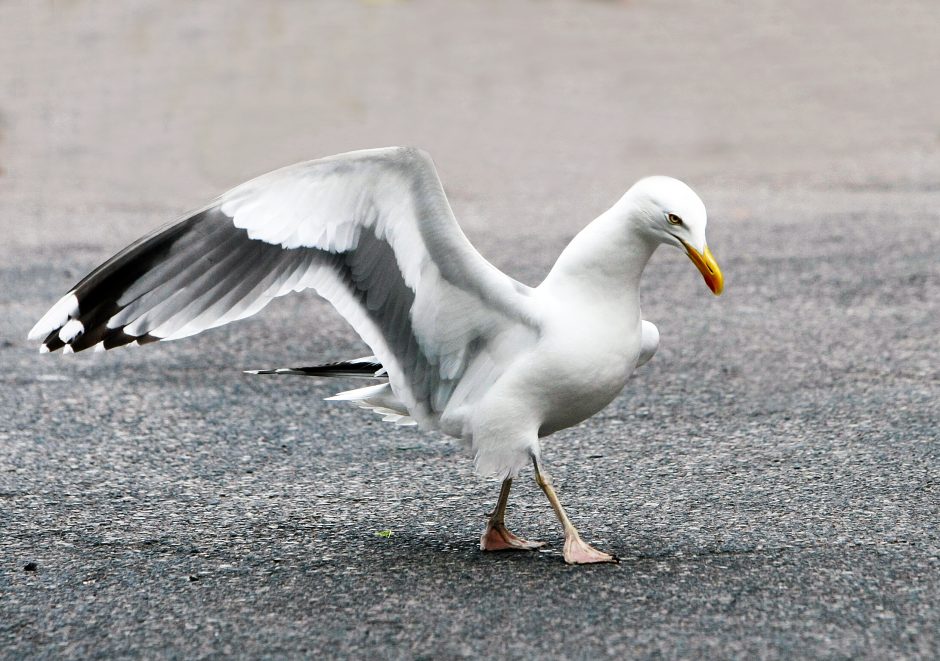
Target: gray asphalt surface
<point>770,479</point>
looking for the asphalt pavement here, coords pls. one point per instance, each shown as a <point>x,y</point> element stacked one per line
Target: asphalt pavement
<point>770,480</point>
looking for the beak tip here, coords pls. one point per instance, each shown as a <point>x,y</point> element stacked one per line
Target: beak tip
<point>706,264</point>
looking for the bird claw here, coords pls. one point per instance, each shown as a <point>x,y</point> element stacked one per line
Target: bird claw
<point>497,537</point>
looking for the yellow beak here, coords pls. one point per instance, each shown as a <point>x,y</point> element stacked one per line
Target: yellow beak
<point>708,267</point>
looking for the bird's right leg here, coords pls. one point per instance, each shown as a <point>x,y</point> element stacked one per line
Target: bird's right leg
<point>496,537</point>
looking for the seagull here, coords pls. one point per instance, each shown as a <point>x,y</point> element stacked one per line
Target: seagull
<point>458,346</point>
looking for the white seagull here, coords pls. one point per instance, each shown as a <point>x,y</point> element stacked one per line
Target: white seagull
<point>458,346</point>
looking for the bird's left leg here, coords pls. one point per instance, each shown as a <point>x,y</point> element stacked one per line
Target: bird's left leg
<point>496,537</point>
<point>576,551</point>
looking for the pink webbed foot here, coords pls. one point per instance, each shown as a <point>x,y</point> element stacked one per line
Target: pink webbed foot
<point>577,552</point>
<point>497,537</point>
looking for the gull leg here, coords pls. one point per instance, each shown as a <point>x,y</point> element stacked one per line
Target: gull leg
<point>577,551</point>
<point>496,537</point>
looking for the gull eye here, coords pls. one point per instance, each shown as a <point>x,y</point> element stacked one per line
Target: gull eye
<point>673,219</point>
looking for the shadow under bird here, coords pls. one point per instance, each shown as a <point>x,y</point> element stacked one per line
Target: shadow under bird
<point>458,346</point>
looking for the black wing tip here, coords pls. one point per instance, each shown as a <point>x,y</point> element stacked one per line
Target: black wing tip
<point>361,369</point>
<point>99,339</point>
<point>94,301</point>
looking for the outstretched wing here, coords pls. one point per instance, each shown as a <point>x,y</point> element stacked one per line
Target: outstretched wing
<point>370,231</point>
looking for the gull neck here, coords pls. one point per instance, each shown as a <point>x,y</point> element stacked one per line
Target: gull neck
<point>608,257</point>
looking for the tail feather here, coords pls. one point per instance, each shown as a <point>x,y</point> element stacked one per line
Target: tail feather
<point>378,398</point>
<point>369,368</point>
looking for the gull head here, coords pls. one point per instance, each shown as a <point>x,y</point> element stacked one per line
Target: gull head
<point>670,212</point>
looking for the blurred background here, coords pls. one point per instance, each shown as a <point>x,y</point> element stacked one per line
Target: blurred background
<point>536,113</point>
